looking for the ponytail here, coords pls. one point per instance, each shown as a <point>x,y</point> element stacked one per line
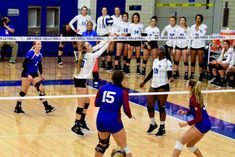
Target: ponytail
<point>196,91</point>
<point>82,53</point>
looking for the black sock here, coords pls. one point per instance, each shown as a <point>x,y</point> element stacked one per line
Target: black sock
<point>77,122</point>
<point>186,73</point>
<point>45,103</point>
<point>59,57</point>
<point>18,104</point>
<point>116,67</point>
<point>162,126</point>
<point>84,114</point>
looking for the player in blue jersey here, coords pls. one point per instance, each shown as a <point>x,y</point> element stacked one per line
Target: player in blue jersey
<point>31,66</point>
<point>110,98</point>
<point>200,125</point>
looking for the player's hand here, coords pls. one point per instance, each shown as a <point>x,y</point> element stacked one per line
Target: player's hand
<point>77,30</point>
<point>171,79</point>
<point>30,78</point>
<point>182,112</point>
<point>142,85</point>
<point>149,47</point>
<point>183,124</point>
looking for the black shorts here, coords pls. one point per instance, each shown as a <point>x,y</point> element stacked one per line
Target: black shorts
<point>105,35</point>
<point>122,42</point>
<point>135,43</point>
<point>169,47</point>
<point>201,48</point>
<point>164,88</point>
<point>80,83</point>
<point>34,75</point>
<point>178,48</point>
<point>152,44</point>
<point>63,42</point>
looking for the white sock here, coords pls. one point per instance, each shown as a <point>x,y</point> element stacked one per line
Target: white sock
<point>152,121</point>
<point>162,122</point>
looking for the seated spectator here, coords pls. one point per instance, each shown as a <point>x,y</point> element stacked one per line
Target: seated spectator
<point>6,29</point>
<point>221,64</point>
<point>231,71</point>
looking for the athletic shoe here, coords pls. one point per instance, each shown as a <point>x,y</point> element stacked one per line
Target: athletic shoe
<point>77,130</point>
<point>192,76</point>
<point>50,109</point>
<point>59,61</point>
<point>138,70</point>
<point>84,125</point>
<point>12,62</point>
<point>201,78</point>
<point>19,110</point>
<point>161,131</point>
<point>151,128</point>
<point>212,80</point>
<point>185,76</point>
<point>127,72</point>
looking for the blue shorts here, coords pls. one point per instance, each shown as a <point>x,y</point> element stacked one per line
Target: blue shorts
<point>203,126</point>
<point>108,125</point>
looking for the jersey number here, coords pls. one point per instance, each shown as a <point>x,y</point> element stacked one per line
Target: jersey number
<point>125,30</point>
<point>108,97</point>
<point>155,70</point>
<point>136,32</point>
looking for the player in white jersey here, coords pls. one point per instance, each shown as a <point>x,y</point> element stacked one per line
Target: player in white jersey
<point>150,46</point>
<point>135,30</point>
<point>117,18</point>
<point>170,30</point>
<point>84,66</point>
<point>122,46</point>
<point>231,71</point>
<point>81,20</point>
<point>197,46</point>
<point>103,31</point>
<point>181,47</point>
<point>161,75</point>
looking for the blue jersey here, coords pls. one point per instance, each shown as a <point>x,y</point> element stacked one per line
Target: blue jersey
<point>90,34</point>
<point>4,31</point>
<point>110,99</point>
<point>33,62</point>
<point>201,118</point>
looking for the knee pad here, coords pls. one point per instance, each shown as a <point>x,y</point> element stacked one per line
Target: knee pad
<point>60,48</point>
<point>79,110</point>
<point>200,65</point>
<point>124,58</point>
<point>37,85</point>
<point>127,150</point>
<point>185,63</point>
<point>219,67</point>
<point>179,146</point>
<point>192,149</point>
<point>86,105</point>
<point>22,94</point>
<point>176,63</point>
<point>137,60</point>
<point>145,61</point>
<point>117,58</point>
<point>128,60</point>
<point>150,108</point>
<point>110,53</point>
<point>100,148</point>
<point>104,54</point>
<point>162,109</point>
<point>193,64</point>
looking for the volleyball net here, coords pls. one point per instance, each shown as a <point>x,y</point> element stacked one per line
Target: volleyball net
<point>59,82</point>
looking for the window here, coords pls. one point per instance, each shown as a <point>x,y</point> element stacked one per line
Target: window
<point>34,20</point>
<point>52,25</point>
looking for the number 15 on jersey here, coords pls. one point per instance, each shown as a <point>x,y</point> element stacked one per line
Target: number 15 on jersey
<point>108,97</point>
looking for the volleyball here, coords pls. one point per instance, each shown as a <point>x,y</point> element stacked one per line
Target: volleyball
<point>108,21</point>
<point>118,152</point>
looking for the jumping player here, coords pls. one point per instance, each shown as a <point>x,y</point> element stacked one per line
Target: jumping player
<point>200,125</point>
<point>31,66</point>
<point>84,66</point>
<point>110,98</point>
<point>161,75</point>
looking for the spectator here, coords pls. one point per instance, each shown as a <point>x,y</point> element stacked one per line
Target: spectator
<point>6,29</point>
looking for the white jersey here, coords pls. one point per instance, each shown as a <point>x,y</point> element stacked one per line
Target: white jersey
<point>182,33</point>
<point>136,29</point>
<point>201,32</point>
<point>152,31</point>
<point>123,28</point>
<point>101,28</point>
<point>227,57</point>
<point>81,23</point>
<point>116,23</point>
<point>170,31</point>
<point>160,68</point>
<point>89,60</point>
